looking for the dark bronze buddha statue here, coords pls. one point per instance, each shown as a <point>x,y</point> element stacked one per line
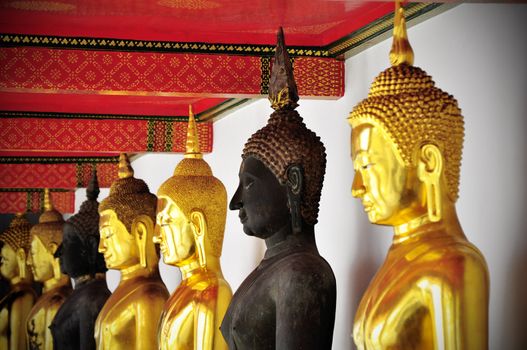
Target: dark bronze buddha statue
<point>288,301</point>
<point>73,325</point>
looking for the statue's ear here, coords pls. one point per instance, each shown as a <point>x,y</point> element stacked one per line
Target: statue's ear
<point>198,223</point>
<point>295,184</point>
<point>429,171</point>
<point>91,245</point>
<point>21,262</point>
<point>140,228</point>
<point>52,247</point>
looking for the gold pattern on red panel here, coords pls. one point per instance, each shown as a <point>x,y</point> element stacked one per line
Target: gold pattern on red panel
<point>319,76</point>
<point>106,174</point>
<point>14,201</point>
<point>205,130</point>
<point>72,135</point>
<point>118,72</point>
<point>190,4</point>
<point>46,6</point>
<point>37,175</point>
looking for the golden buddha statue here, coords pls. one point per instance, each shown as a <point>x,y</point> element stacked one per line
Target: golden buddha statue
<point>16,304</point>
<point>129,318</point>
<point>46,237</point>
<point>191,217</point>
<point>432,291</point>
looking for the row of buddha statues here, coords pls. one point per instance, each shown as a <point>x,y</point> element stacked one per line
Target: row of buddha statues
<point>431,292</point>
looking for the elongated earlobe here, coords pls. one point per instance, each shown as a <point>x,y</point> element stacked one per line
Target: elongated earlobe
<point>295,183</point>
<point>140,228</point>
<point>429,170</point>
<point>199,228</point>
<point>21,262</point>
<point>55,264</point>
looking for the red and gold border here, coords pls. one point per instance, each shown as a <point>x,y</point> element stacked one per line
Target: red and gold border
<point>45,70</point>
<point>22,200</point>
<point>98,135</point>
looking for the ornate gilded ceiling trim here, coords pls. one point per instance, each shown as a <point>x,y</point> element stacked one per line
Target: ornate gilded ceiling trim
<point>334,49</point>
<point>97,135</point>
<point>376,28</point>
<point>61,175</point>
<point>64,42</point>
<point>57,160</point>
<point>59,115</point>
<point>45,70</point>
<point>34,189</point>
<point>17,200</point>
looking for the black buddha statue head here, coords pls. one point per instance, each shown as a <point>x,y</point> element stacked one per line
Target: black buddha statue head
<point>283,164</point>
<point>78,252</point>
<point>288,301</point>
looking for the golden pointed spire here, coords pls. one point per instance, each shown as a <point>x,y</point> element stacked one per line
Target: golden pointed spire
<point>401,52</point>
<point>48,205</point>
<point>125,169</point>
<point>192,147</point>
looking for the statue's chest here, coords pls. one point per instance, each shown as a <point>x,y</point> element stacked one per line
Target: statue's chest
<point>40,319</point>
<point>251,318</point>
<point>392,314</point>
<point>181,315</point>
<point>115,323</point>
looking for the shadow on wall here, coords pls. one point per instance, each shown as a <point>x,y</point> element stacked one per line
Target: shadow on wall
<point>366,262</point>
<point>515,319</point>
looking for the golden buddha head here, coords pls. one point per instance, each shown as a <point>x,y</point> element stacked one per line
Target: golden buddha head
<point>407,140</point>
<point>127,222</point>
<point>15,241</point>
<point>46,236</point>
<point>192,208</point>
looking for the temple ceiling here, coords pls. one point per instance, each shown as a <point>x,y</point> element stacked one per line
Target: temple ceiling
<point>81,81</point>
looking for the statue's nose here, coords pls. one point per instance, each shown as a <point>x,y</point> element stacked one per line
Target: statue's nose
<point>357,188</point>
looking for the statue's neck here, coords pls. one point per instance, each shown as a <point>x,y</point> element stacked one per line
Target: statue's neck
<point>18,280</point>
<point>422,226</point>
<point>56,283</point>
<point>138,270</point>
<point>81,280</point>
<point>192,267</point>
<point>304,240</point>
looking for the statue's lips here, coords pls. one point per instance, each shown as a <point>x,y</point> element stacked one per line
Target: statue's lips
<point>367,206</point>
<point>243,217</point>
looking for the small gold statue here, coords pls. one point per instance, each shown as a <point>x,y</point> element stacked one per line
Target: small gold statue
<point>191,220</point>
<point>130,317</point>
<point>432,291</point>
<point>46,237</point>
<point>15,306</point>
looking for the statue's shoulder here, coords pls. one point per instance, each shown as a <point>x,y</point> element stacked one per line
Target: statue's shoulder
<point>151,287</point>
<point>308,268</point>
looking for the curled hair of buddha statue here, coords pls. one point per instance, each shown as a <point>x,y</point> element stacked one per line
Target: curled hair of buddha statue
<point>129,197</point>
<point>17,235</point>
<point>50,223</point>
<point>194,187</point>
<point>86,224</point>
<point>405,103</point>
<point>286,141</point>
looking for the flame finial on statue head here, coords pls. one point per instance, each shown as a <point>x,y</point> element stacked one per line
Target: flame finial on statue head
<point>125,169</point>
<point>192,149</point>
<point>283,93</point>
<point>401,52</point>
<point>48,205</point>
<point>92,191</point>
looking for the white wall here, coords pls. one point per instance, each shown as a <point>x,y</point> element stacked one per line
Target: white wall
<point>476,52</point>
